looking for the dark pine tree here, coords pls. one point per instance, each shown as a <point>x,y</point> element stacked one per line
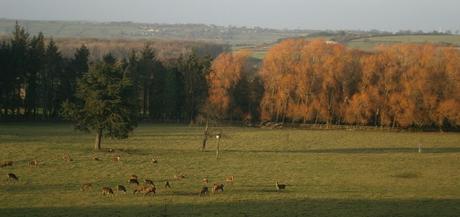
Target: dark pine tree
<point>106,105</point>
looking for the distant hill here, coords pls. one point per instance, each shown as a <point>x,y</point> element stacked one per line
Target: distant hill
<point>129,30</point>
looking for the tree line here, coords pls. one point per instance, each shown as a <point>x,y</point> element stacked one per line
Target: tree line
<point>36,79</point>
<point>321,82</point>
<point>298,81</point>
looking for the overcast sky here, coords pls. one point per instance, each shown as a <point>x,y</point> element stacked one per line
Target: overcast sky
<point>390,15</point>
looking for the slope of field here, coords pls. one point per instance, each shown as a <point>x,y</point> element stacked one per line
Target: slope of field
<point>129,30</point>
<point>328,173</point>
<point>370,43</point>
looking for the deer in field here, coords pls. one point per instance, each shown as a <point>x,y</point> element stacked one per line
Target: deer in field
<point>204,191</point>
<point>12,177</point>
<point>86,186</point>
<point>167,185</point>
<point>107,191</point>
<point>6,164</point>
<point>149,182</point>
<point>230,180</point>
<point>280,187</point>
<point>121,188</point>
<point>218,187</point>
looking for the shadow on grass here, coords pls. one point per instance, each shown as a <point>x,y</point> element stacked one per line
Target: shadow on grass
<point>358,150</point>
<point>283,208</point>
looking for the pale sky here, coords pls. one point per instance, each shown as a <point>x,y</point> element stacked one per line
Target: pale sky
<point>389,15</point>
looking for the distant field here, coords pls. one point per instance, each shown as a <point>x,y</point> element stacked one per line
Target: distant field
<point>370,43</point>
<point>328,173</point>
<point>130,30</point>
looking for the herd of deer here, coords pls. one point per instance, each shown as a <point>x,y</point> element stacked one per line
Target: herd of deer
<point>146,188</point>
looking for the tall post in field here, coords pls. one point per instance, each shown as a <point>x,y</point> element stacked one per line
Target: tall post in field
<point>205,139</point>
<point>218,137</point>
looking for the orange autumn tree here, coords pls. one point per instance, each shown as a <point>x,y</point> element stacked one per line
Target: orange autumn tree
<point>227,70</point>
<point>401,85</point>
<point>407,85</point>
<point>307,81</point>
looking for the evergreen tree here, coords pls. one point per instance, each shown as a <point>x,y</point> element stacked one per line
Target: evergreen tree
<point>194,71</point>
<point>36,55</point>
<point>52,77</point>
<point>19,61</point>
<point>107,104</point>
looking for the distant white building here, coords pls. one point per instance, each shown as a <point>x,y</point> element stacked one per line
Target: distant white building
<point>331,42</point>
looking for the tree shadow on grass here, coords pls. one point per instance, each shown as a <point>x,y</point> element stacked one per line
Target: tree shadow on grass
<point>357,150</point>
<point>205,206</point>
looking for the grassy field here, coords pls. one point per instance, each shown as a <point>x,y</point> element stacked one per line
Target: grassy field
<point>328,173</point>
<point>371,43</point>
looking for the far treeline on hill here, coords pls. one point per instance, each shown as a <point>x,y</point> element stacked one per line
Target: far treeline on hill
<point>298,81</point>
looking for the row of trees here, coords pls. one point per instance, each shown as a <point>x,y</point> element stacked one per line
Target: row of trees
<point>298,81</point>
<point>36,79</point>
<point>396,86</point>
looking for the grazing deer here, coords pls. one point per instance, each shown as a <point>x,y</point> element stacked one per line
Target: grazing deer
<point>167,185</point>
<point>6,164</point>
<point>133,181</point>
<point>67,158</point>
<point>230,180</point>
<point>145,190</point>
<point>12,177</point>
<point>133,177</point>
<point>217,188</point>
<point>96,159</point>
<point>116,158</point>
<point>86,186</point>
<point>179,177</point>
<point>107,191</point>
<point>111,150</point>
<point>204,191</point>
<point>154,161</point>
<point>33,163</point>
<point>280,186</point>
<point>149,182</point>
<point>121,188</point>
<point>149,190</point>
<point>205,181</point>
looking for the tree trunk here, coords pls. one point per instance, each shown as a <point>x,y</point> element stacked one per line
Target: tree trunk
<point>205,139</point>
<point>97,145</point>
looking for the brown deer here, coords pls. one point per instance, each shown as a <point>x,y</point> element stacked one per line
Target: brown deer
<point>6,164</point>
<point>145,190</point>
<point>204,191</point>
<point>133,181</point>
<point>230,180</point>
<point>205,181</point>
<point>86,186</point>
<point>280,187</point>
<point>121,188</point>
<point>218,187</point>
<point>33,163</point>
<point>107,191</point>
<point>179,177</point>
<point>116,158</point>
<point>12,177</point>
<point>66,157</point>
<point>149,182</point>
